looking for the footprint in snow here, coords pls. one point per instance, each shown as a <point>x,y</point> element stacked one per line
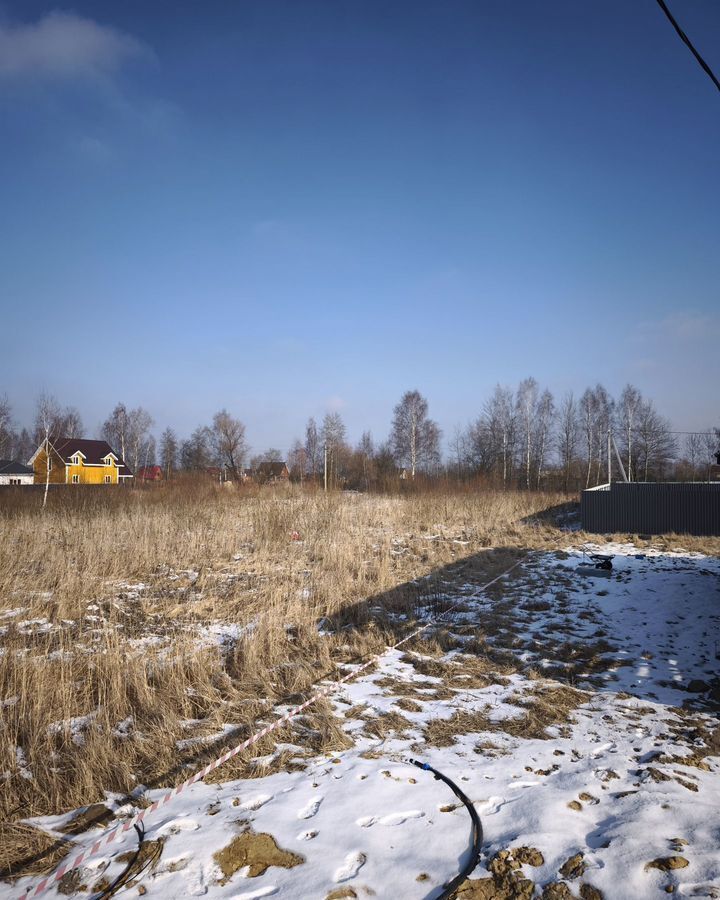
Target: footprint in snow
<point>492,805</point>
<point>307,835</point>
<point>393,819</point>
<point>352,865</point>
<point>194,881</point>
<point>267,891</point>
<point>259,801</point>
<point>175,826</point>
<point>310,809</point>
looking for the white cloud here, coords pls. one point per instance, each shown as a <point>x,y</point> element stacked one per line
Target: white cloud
<point>63,44</point>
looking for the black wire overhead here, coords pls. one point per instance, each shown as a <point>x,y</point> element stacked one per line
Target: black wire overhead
<point>686,40</point>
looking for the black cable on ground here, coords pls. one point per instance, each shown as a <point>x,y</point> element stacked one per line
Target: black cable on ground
<point>128,872</point>
<point>686,40</point>
<point>477,832</point>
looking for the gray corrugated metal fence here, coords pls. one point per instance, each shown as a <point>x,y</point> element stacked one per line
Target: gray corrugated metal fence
<point>639,508</point>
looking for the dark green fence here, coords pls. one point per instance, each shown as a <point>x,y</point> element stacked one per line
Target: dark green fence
<point>638,508</point>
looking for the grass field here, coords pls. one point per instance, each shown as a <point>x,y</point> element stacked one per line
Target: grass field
<point>139,628</point>
<point>132,620</point>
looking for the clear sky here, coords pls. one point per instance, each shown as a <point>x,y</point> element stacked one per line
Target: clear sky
<point>285,208</point>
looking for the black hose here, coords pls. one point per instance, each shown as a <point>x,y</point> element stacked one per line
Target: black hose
<point>477,832</point>
<point>128,871</point>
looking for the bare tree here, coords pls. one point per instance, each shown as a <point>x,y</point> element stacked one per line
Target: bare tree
<point>568,437</point>
<point>544,430</point>
<point>229,440</point>
<point>312,447</point>
<point>332,436</point>
<point>64,423</point>
<point>415,438</point>
<point>495,436</point>
<point>710,443</point>
<point>604,406</point>
<point>25,446</point>
<point>298,461</point>
<point>6,432</point>
<point>115,430</point>
<point>588,418</point>
<point>654,441</point>
<point>196,452</point>
<point>168,452</point>
<point>526,402</point>
<point>366,451</point>
<point>628,408</point>
<point>47,415</point>
<point>138,435</point>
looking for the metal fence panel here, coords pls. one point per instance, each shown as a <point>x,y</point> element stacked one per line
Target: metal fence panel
<point>639,508</point>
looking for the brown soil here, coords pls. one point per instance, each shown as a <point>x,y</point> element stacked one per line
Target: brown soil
<point>258,851</point>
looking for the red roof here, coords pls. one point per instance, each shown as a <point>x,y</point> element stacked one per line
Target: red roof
<point>150,473</point>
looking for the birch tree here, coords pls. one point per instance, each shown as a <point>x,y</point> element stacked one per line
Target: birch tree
<point>628,408</point>
<point>332,436</point>
<point>500,420</point>
<point>312,446</point>
<point>526,402</point>
<point>115,430</point>
<point>568,436</point>
<point>168,452</point>
<point>366,451</point>
<point>47,415</point>
<point>544,430</point>
<point>415,439</point>
<point>139,423</point>
<point>588,418</point>
<point>6,433</point>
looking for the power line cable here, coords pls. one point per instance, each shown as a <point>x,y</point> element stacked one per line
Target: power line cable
<point>686,40</point>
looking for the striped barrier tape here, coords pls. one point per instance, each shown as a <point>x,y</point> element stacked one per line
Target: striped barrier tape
<point>121,830</point>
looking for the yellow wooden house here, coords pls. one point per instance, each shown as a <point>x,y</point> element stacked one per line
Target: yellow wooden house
<point>79,461</point>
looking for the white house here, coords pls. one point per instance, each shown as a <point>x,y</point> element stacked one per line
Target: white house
<point>15,473</point>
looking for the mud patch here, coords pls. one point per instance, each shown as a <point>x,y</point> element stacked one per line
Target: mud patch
<point>256,851</point>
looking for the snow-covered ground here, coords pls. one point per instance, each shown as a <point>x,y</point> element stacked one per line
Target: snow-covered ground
<point>604,786</point>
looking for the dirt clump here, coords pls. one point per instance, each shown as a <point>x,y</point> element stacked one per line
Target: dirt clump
<point>573,867</point>
<point>667,863</point>
<point>258,852</point>
<point>588,892</point>
<point>557,890</point>
<point>510,887</point>
<point>88,817</point>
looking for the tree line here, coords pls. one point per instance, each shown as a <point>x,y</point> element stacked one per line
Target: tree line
<point>522,438</point>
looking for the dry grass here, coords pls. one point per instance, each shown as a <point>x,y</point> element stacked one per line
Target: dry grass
<point>107,598</point>
<point>543,707</point>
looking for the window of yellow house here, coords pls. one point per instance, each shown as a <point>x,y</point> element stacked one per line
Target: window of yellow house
<point>76,479</point>
<point>108,479</point>
<point>75,460</point>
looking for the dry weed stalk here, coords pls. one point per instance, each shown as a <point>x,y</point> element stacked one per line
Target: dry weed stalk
<point>135,619</point>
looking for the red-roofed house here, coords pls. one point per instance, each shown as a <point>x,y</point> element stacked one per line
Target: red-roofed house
<point>150,473</point>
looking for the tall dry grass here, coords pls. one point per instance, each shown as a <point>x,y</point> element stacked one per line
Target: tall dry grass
<point>132,619</point>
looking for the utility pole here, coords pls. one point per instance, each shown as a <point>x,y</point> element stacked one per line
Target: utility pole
<point>326,467</point>
<point>609,455</point>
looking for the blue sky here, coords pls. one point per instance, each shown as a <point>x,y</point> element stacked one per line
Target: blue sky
<point>286,208</point>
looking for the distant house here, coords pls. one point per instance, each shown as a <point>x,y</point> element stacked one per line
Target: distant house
<point>272,472</point>
<point>77,461</point>
<point>150,473</point>
<point>15,473</point>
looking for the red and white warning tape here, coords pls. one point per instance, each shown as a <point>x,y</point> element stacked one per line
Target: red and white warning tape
<point>121,830</point>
